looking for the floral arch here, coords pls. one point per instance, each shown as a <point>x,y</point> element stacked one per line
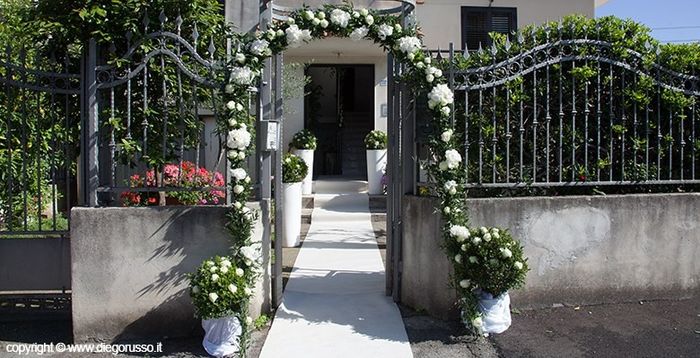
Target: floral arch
<point>244,69</point>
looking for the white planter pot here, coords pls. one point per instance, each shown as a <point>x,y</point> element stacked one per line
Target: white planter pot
<point>307,155</point>
<point>292,214</point>
<point>376,163</point>
<point>221,335</point>
<point>495,312</point>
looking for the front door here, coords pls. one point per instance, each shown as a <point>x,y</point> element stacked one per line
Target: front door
<point>339,109</point>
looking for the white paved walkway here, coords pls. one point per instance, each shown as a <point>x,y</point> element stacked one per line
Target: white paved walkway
<point>334,304</point>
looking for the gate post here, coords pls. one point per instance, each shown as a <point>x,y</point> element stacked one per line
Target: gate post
<point>89,130</point>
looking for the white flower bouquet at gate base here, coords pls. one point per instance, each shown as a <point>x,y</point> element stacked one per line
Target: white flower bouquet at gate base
<point>487,263</point>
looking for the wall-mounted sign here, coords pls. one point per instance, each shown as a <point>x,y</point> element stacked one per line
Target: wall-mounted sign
<point>271,136</point>
<point>383,82</point>
<point>384,110</point>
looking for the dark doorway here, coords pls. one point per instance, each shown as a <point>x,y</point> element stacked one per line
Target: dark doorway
<point>339,109</point>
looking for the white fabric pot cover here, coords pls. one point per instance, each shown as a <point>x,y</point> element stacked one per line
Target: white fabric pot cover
<point>495,311</point>
<point>376,163</point>
<point>292,214</point>
<point>221,335</point>
<point>307,155</point>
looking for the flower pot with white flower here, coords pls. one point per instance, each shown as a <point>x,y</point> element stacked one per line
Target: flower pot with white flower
<point>294,169</point>
<point>219,291</point>
<point>304,144</point>
<point>376,143</point>
<point>487,263</point>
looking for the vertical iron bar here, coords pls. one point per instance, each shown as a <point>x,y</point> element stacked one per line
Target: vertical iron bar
<point>670,142</point>
<point>573,122</point>
<point>548,118</point>
<point>25,179</point>
<point>658,124</point>
<point>522,131</point>
<point>90,128</point>
<point>634,125</point>
<point>611,120</point>
<point>586,115</point>
<point>165,108</point>
<point>481,135</point>
<point>41,119</point>
<point>599,114</point>
<point>466,133</point>
<point>112,141</point>
<point>623,127</point>
<point>508,134</point>
<point>693,143</point>
<point>534,122</point>
<point>494,140</point>
<point>561,117</point>
<point>10,148</point>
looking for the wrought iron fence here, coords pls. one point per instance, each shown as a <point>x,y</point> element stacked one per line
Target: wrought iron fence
<point>573,112</point>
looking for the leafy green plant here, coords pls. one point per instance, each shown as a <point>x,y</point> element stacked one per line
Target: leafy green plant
<point>219,288</point>
<point>376,139</point>
<point>294,169</point>
<point>304,139</point>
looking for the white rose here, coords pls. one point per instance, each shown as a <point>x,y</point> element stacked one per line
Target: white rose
<point>453,158</point>
<point>506,253</point>
<point>447,210</point>
<point>445,111</point>
<point>247,291</point>
<point>518,265</point>
<point>473,259</point>
<point>212,269</point>
<point>232,122</point>
<point>324,23</point>
<point>225,263</point>
<point>316,22</point>
<point>451,187</point>
<point>232,154</point>
<point>364,12</point>
<point>464,283</point>
<point>308,14</point>
<point>477,322</point>
<point>463,247</point>
<point>231,105</point>
<point>427,60</point>
<point>484,230</point>
<point>210,263</point>
<point>321,15</point>
<point>239,271</point>
<point>438,72</point>
<point>458,258</point>
<point>241,155</point>
<point>224,269</point>
<point>446,136</point>
<point>238,139</point>
<point>369,19</point>
<point>238,189</point>
<point>442,166</point>
<point>496,235</point>
<point>232,288</point>
<point>487,237</point>
<point>238,205</point>
<point>213,297</point>
<point>195,289</point>
<point>280,33</point>
<point>476,240</point>
<point>240,58</point>
<point>429,78</point>
<point>355,14</point>
<point>229,88</point>
<point>420,65</point>
<point>215,277</point>
<point>239,173</point>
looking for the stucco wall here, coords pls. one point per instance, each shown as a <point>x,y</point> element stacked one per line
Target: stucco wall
<point>582,250</point>
<point>442,23</point>
<point>129,268</point>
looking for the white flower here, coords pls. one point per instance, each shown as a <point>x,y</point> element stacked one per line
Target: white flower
<point>459,232</point>
<point>452,158</point>
<point>238,189</point>
<point>242,75</point>
<point>290,20</point>
<point>225,263</point>
<point>249,320</point>
<point>442,166</point>
<point>308,14</point>
<point>324,23</point>
<point>518,265</point>
<point>385,31</point>
<point>260,48</point>
<point>364,12</point>
<point>241,155</point>
<point>427,60</point>
<point>477,322</point>
<point>495,230</point>
<point>232,154</point>
<point>340,17</point>
<point>229,88</point>
<point>420,65</point>
<point>451,187</point>
<point>496,235</point>
<point>239,173</point>
<point>210,263</point>
<point>240,58</point>
<point>250,253</point>
<point>411,56</point>
<point>355,14</point>
<point>473,259</point>
<point>215,277</point>
<point>506,253</point>
<point>237,205</point>
<point>239,271</point>
<point>359,33</point>
<point>447,210</point>
<point>247,291</point>
<point>195,289</point>
<point>484,230</point>
<point>409,44</point>
<point>463,247</point>
<point>446,136</point>
<point>296,36</point>
<point>458,258</point>
<point>213,297</point>
<point>271,34</point>
<point>213,269</point>
<point>429,78</point>
<point>224,269</point>
<point>232,288</point>
<point>231,105</point>
<point>238,139</point>
<point>438,72</point>
<point>321,15</point>
<point>232,123</point>
<point>397,28</point>
<point>369,19</point>
<point>464,283</point>
<point>487,237</point>
<point>279,33</point>
<point>476,240</point>
<point>440,95</point>
<point>316,22</point>
<point>445,111</point>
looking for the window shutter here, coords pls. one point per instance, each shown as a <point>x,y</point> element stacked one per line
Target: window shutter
<point>476,29</point>
<point>478,22</point>
<point>501,22</point>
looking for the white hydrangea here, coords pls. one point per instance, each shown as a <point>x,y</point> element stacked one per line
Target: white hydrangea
<point>260,48</point>
<point>242,75</point>
<point>452,158</point>
<point>296,37</point>
<point>385,31</point>
<point>459,232</point>
<point>238,139</point>
<point>451,187</point>
<point>340,17</point>
<point>446,136</point>
<point>409,44</point>
<point>238,173</point>
<point>440,96</point>
<point>359,33</point>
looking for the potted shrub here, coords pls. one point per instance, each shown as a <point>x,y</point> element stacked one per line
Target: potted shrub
<point>220,294</point>
<point>303,145</point>
<point>294,170</point>
<point>488,263</point>
<point>375,142</point>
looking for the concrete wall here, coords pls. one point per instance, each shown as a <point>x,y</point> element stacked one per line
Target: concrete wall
<point>129,270</point>
<point>442,22</point>
<point>35,264</point>
<point>582,250</point>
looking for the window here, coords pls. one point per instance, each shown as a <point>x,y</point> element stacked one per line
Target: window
<point>478,22</point>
